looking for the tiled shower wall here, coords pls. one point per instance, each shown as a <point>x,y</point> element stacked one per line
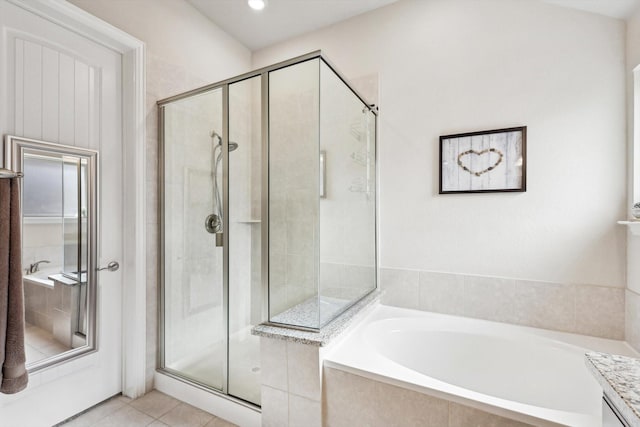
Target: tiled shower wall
<point>293,185</point>
<point>347,210</point>
<point>579,308</point>
<point>192,263</point>
<point>42,240</point>
<point>632,293</point>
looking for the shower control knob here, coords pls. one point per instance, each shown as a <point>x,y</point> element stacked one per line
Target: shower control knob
<point>112,266</point>
<point>213,224</point>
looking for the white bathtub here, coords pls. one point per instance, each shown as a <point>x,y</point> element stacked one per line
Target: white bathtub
<point>527,374</point>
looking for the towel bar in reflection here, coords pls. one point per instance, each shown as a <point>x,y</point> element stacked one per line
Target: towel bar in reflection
<point>6,173</point>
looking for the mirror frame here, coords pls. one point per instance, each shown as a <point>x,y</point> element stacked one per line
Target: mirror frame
<point>15,148</point>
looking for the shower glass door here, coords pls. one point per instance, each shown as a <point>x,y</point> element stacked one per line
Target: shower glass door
<point>245,197</point>
<point>194,320</point>
<point>211,229</point>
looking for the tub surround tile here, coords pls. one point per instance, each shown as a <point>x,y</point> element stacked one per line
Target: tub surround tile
<point>400,286</point>
<point>464,416</point>
<point>328,332</point>
<point>399,407</point>
<point>600,311</point>
<point>348,399</point>
<point>353,400</point>
<point>441,293</point>
<point>275,407</point>
<point>632,319</point>
<point>577,308</point>
<point>304,412</point>
<point>304,370</point>
<point>292,392</point>
<point>619,377</point>
<point>545,305</point>
<point>489,298</point>
<point>274,363</point>
<point>297,393</point>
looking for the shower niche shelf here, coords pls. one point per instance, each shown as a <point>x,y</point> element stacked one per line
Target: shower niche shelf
<point>634,226</point>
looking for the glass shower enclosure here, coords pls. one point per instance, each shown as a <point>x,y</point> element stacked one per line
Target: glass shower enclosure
<point>267,214</point>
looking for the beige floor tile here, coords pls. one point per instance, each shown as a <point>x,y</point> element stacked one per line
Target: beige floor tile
<point>125,417</point>
<point>97,413</point>
<point>219,422</point>
<point>185,415</point>
<point>32,354</point>
<point>155,403</point>
<point>124,399</point>
<point>157,423</point>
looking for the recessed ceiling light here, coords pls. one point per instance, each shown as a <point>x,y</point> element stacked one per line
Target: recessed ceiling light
<point>257,4</point>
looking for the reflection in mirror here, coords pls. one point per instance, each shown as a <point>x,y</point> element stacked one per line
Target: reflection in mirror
<point>58,248</point>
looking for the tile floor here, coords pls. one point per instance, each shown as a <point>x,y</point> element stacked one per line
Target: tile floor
<point>40,344</point>
<point>154,409</point>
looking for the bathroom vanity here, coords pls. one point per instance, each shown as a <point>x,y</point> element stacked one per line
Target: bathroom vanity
<point>619,377</point>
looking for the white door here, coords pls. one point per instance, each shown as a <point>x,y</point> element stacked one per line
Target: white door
<point>58,86</point>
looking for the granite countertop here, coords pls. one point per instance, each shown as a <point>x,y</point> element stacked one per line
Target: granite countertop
<point>619,377</point>
<point>326,333</point>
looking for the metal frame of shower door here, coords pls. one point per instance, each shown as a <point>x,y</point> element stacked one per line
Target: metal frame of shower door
<point>225,236</point>
<point>161,242</point>
<point>160,357</point>
<point>264,194</point>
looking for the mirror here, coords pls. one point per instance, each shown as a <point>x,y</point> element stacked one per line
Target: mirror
<point>59,219</point>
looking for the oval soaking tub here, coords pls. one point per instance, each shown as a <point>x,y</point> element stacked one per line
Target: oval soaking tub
<point>530,375</point>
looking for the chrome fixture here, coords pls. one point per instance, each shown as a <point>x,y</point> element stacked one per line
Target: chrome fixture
<point>112,266</point>
<point>232,145</point>
<point>7,173</point>
<point>213,222</point>
<point>35,267</point>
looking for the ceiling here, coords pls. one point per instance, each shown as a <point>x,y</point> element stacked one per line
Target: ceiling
<point>620,9</point>
<point>283,19</point>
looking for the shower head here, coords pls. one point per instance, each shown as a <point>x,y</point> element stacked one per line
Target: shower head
<point>232,145</point>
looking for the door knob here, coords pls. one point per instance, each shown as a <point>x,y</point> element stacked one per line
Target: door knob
<point>112,266</point>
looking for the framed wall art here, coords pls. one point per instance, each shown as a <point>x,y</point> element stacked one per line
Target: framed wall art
<point>483,162</point>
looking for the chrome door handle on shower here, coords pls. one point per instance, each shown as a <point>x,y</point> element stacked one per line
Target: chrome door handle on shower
<point>112,266</point>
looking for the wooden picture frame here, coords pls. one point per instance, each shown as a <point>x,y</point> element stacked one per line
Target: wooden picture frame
<point>484,162</point>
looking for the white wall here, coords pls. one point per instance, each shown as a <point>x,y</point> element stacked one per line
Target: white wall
<point>177,33</point>
<point>459,65</point>
<point>185,50</point>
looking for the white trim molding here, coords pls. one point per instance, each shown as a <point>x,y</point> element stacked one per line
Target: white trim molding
<point>79,21</point>
<point>634,226</point>
<point>634,149</point>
